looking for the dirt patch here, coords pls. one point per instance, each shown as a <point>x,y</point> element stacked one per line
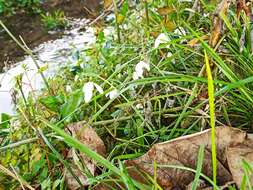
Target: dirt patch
<point>30,27</point>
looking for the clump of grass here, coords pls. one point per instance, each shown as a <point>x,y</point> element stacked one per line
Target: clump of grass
<point>55,20</point>
<point>8,8</point>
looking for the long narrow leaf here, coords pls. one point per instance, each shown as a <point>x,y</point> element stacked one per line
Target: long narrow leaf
<point>212,114</point>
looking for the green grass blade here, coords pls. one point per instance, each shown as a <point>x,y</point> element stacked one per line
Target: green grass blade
<point>83,148</point>
<point>212,114</point>
<point>199,167</point>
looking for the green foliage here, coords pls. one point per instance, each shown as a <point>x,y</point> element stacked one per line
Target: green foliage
<point>54,20</point>
<point>4,121</point>
<point>9,7</point>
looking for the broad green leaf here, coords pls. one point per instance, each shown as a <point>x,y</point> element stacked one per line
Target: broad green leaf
<point>72,103</point>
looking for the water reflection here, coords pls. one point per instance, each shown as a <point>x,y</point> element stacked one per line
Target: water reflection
<point>52,53</point>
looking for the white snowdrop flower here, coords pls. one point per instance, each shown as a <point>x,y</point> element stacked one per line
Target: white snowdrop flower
<point>180,31</point>
<point>162,39</point>
<point>68,88</point>
<point>139,106</point>
<point>112,94</point>
<point>88,90</point>
<point>139,69</point>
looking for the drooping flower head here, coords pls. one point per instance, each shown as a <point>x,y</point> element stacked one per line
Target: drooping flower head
<point>88,90</point>
<point>162,39</point>
<point>139,69</point>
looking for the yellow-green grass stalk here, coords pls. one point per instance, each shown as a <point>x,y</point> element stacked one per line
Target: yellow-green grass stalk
<point>212,115</point>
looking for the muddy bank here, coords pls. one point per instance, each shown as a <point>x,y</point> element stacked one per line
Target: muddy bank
<point>31,29</point>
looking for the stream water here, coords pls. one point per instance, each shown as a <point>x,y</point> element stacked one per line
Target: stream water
<point>52,53</point>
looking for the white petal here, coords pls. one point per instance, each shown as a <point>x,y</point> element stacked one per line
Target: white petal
<point>139,69</point>
<point>161,39</point>
<point>112,94</point>
<point>135,76</point>
<point>139,106</point>
<point>180,31</point>
<point>139,72</point>
<point>99,89</point>
<point>88,91</point>
<point>143,65</point>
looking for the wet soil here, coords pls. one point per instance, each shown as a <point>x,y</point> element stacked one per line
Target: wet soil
<point>31,29</point>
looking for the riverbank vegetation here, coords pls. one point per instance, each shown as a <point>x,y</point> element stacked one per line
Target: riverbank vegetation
<point>158,70</point>
<point>10,7</point>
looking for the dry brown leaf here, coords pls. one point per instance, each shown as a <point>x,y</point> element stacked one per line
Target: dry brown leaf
<point>218,22</point>
<point>90,138</point>
<point>169,25</point>
<point>201,185</point>
<point>236,155</point>
<point>195,41</point>
<point>243,6</point>
<point>107,4</point>
<point>183,151</point>
<point>163,11</point>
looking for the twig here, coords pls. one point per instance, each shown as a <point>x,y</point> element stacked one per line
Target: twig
<point>146,11</point>
<point>116,17</point>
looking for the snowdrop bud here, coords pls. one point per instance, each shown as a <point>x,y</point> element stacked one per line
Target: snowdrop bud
<point>162,39</point>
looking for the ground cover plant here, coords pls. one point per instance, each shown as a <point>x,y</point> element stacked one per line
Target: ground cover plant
<point>8,7</point>
<point>158,71</point>
<point>54,20</point>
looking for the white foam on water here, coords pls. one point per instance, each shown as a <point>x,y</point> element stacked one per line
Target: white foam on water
<point>50,53</point>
